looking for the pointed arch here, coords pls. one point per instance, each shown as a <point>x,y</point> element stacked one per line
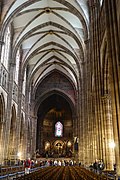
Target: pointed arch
<point>22,138</point>
<point>13,117</point>
<point>6,48</point>
<point>2,115</point>
<point>2,108</point>
<point>22,128</point>
<point>11,149</point>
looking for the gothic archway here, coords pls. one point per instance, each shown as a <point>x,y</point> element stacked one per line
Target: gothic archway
<point>2,114</point>
<point>56,110</point>
<point>12,137</point>
<point>22,139</point>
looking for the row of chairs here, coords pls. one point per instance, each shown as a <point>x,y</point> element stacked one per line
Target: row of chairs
<point>63,173</point>
<point>10,170</point>
<point>90,174</point>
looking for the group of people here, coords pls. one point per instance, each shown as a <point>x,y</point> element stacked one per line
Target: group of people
<point>28,164</point>
<point>98,166</point>
<point>56,162</point>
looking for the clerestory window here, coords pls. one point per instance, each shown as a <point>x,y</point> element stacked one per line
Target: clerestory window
<point>6,48</point>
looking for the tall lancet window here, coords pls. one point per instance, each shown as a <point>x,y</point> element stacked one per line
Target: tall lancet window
<point>101,2</point>
<point>58,129</point>
<point>24,82</point>
<point>6,48</point>
<point>17,66</point>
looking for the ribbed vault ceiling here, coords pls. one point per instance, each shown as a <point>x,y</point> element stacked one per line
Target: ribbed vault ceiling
<point>52,34</point>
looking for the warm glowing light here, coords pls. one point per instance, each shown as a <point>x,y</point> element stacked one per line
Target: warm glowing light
<point>47,144</point>
<point>112,144</point>
<point>19,154</point>
<point>69,144</point>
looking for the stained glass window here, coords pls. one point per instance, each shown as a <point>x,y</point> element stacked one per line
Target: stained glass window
<point>58,129</point>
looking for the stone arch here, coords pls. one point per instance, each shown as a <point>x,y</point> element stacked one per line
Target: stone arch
<point>2,108</point>
<point>22,128</point>
<point>12,138</point>
<point>51,92</point>
<point>34,88</point>
<point>2,114</point>
<point>22,138</point>
<point>63,112</point>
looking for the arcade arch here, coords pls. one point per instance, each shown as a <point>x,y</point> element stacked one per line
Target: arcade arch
<point>2,113</point>
<point>56,110</point>
<point>12,140</point>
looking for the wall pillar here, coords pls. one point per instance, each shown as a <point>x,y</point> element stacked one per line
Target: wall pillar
<point>34,130</point>
<point>108,139</point>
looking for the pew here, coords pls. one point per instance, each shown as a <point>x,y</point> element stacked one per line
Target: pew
<point>62,173</point>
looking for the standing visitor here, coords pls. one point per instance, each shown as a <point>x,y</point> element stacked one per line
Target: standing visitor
<point>101,166</point>
<point>27,165</point>
<point>114,165</point>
